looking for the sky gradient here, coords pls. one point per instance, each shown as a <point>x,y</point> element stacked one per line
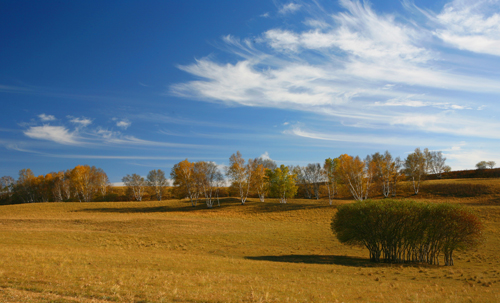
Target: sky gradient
<point>131,86</point>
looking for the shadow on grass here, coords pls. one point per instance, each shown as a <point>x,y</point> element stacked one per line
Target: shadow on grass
<point>332,259</point>
<point>318,259</point>
<point>225,203</point>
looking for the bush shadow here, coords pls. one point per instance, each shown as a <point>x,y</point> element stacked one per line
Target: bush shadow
<point>335,260</point>
<point>317,259</point>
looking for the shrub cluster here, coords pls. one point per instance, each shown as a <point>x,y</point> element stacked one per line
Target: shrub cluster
<point>407,231</point>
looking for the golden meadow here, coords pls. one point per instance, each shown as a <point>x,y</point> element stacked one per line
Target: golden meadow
<point>169,251</point>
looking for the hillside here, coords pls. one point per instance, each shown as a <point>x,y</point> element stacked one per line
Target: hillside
<point>259,252</point>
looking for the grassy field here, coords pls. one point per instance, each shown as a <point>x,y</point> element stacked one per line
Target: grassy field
<point>260,252</point>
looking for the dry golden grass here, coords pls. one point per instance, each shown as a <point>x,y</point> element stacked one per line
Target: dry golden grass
<point>260,252</point>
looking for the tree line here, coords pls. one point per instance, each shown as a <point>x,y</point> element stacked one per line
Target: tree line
<point>257,177</point>
<point>82,183</point>
<point>262,177</point>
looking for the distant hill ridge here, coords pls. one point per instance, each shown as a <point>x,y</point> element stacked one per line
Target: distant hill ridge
<point>471,173</point>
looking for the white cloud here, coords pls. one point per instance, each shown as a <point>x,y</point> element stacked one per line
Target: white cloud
<point>116,137</point>
<point>80,121</point>
<point>265,15</point>
<point>289,8</point>
<point>467,158</point>
<point>317,23</point>
<point>44,117</point>
<point>410,102</point>
<point>357,66</point>
<point>471,25</point>
<point>450,123</point>
<point>282,40</point>
<point>356,138</point>
<point>286,123</point>
<point>57,134</point>
<point>265,156</point>
<point>124,124</point>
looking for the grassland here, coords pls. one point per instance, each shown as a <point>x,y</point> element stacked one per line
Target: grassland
<point>260,252</point>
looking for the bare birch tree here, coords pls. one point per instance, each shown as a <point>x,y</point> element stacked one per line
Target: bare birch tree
<point>57,189</point>
<point>330,170</point>
<point>240,174</point>
<point>136,184</point>
<point>387,172</point>
<point>435,162</point>
<point>157,182</point>
<point>416,168</point>
<point>208,179</point>
<point>491,164</point>
<point>314,172</point>
<point>303,179</point>
<point>6,184</point>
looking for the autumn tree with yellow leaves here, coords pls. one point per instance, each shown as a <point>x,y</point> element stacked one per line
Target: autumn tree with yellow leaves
<point>357,175</point>
<point>240,174</point>
<point>82,183</point>
<point>184,180</point>
<point>259,183</point>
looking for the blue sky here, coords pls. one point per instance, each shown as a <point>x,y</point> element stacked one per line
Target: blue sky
<point>131,86</point>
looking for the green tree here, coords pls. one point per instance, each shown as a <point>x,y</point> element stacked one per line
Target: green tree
<point>282,183</point>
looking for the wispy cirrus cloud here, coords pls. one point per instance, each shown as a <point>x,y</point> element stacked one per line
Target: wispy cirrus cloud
<point>59,134</point>
<point>123,124</point>
<point>83,122</point>
<point>350,137</point>
<point>357,66</point>
<point>97,157</point>
<point>79,134</point>
<point>289,8</point>
<point>44,117</point>
<point>471,25</point>
<point>112,137</point>
<point>13,89</point>
<point>411,101</point>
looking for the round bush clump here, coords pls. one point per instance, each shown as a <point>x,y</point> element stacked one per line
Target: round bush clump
<point>407,231</point>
